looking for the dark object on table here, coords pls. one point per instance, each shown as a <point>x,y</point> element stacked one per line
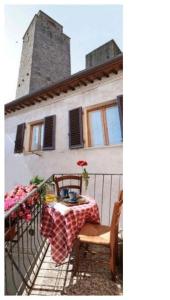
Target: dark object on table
<point>79,201</point>
<point>72,196</point>
<point>64,193</point>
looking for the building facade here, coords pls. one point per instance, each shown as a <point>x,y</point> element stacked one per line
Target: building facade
<point>88,95</point>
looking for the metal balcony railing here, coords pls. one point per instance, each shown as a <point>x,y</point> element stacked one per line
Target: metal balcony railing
<point>25,247</point>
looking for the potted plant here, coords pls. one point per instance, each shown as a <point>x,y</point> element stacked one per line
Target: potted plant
<point>36,180</point>
<point>23,211</point>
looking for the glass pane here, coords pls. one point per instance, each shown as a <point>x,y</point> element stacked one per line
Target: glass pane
<point>42,135</point>
<point>35,137</point>
<point>113,125</point>
<point>96,129</point>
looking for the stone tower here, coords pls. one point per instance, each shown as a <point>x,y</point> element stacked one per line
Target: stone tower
<point>45,57</point>
<point>102,54</point>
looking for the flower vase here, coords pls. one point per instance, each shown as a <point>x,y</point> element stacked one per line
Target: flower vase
<point>85,177</point>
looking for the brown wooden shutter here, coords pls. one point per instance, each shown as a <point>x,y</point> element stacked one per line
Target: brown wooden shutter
<point>19,142</point>
<point>120,107</point>
<point>49,133</point>
<point>75,128</point>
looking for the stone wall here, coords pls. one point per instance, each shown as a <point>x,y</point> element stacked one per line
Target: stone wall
<point>23,85</point>
<point>45,57</point>
<point>51,55</point>
<point>102,54</point>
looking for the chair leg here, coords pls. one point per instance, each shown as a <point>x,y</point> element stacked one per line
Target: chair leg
<point>75,270</point>
<point>113,276</point>
<point>112,264</point>
<point>86,250</point>
<point>113,267</point>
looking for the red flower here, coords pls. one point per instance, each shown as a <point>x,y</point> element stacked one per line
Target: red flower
<point>27,211</point>
<point>30,201</point>
<point>82,163</point>
<point>23,212</point>
<point>85,176</point>
<point>20,214</point>
<point>13,215</point>
<point>28,217</point>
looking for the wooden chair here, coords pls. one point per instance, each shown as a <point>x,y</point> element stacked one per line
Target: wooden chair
<point>102,235</point>
<point>65,182</point>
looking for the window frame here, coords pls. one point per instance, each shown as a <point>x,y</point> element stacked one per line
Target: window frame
<point>99,107</point>
<point>31,125</point>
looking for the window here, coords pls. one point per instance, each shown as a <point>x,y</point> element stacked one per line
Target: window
<point>104,126</point>
<point>36,136</point>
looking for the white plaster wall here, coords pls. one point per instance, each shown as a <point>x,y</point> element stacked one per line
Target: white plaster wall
<point>19,168</point>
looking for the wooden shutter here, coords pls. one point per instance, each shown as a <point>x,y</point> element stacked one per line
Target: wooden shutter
<point>49,133</point>
<point>120,107</point>
<point>19,142</point>
<point>75,128</point>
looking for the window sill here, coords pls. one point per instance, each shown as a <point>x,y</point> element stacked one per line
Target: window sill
<point>38,152</point>
<point>104,147</point>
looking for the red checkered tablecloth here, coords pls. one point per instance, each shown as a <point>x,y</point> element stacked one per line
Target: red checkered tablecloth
<point>61,230</point>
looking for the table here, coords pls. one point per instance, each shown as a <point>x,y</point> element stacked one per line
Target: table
<point>62,230</point>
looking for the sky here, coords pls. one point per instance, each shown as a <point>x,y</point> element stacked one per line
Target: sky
<point>88,26</point>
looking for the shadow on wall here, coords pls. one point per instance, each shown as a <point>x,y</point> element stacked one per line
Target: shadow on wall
<point>15,165</point>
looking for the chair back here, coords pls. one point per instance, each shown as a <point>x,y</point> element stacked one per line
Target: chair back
<point>114,230</point>
<point>65,181</point>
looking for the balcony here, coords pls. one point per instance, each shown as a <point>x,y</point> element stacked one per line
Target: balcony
<point>29,268</point>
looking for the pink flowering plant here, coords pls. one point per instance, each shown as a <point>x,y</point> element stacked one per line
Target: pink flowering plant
<point>85,175</point>
<point>15,196</point>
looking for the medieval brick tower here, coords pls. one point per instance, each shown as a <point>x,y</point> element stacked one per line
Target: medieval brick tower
<point>45,57</point>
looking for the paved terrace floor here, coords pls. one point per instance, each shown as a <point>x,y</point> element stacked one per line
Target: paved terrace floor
<point>92,278</point>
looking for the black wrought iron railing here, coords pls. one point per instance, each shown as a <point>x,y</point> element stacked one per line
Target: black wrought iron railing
<point>25,247</point>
